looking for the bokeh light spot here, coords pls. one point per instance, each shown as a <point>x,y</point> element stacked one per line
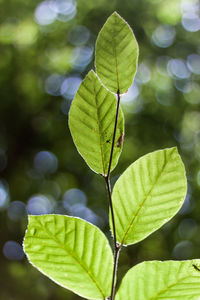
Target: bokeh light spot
<point>143,74</point>
<point>189,6</point>
<point>16,210</point>
<point>67,17</point>
<point>78,36</point>
<point>45,162</point>
<point>165,97</point>
<point>184,85</point>
<point>177,68</point>
<point>44,15</point>
<point>198,178</point>
<point>192,95</point>
<point>83,212</point>
<point>161,65</point>
<point>53,84</point>
<point>164,36</point>
<point>62,6</point>
<point>191,22</point>
<point>70,86</point>
<point>4,196</point>
<point>72,197</point>
<point>193,63</point>
<point>183,250</point>
<point>81,57</point>
<point>13,251</point>
<point>131,95</point>
<point>187,205</point>
<point>25,34</point>
<point>40,204</point>
<point>187,228</point>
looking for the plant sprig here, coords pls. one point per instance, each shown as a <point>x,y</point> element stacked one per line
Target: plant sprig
<point>76,254</point>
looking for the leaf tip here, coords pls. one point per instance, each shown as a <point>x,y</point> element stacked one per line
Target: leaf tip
<point>91,72</point>
<point>115,13</point>
<point>170,151</point>
<point>174,149</point>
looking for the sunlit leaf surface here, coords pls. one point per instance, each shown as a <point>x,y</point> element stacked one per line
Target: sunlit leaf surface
<point>72,252</point>
<point>148,194</point>
<point>156,280</point>
<point>116,54</point>
<point>91,122</point>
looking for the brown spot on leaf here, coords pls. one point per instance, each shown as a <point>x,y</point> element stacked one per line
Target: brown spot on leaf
<point>120,140</point>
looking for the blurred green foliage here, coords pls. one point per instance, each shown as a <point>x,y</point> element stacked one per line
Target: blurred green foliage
<point>46,49</point>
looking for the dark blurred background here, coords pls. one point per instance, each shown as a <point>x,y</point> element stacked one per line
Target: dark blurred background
<point>46,50</point>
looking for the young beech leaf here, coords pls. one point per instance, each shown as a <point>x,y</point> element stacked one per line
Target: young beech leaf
<point>156,280</point>
<point>116,54</point>
<point>72,252</point>
<point>148,194</point>
<point>91,122</point>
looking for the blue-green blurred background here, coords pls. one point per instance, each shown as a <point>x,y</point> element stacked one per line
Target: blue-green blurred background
<point>46,49</point>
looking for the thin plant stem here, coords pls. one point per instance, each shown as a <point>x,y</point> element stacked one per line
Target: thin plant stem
<point>114,133</point>
<point>116,258</point>
<point>117,247</point>
<point>107,179</point>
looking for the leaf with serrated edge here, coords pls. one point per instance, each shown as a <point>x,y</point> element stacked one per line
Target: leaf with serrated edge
<point>156,280</point>
<point>91,122</point>
<point>116,54</point>
<point>148,194</point>
<point>72,252</point>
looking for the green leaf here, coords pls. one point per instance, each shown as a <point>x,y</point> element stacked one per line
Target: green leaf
<point>148,194</point>
<point>156,280</point>
<point>116,54</point>
<point>72,252</point>
<point>91,122</point>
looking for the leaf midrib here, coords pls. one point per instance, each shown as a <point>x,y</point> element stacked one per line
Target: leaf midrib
<point>74,257</point>
<point>99,127</point>
<point>146,197</point>
<point>115,53</point>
